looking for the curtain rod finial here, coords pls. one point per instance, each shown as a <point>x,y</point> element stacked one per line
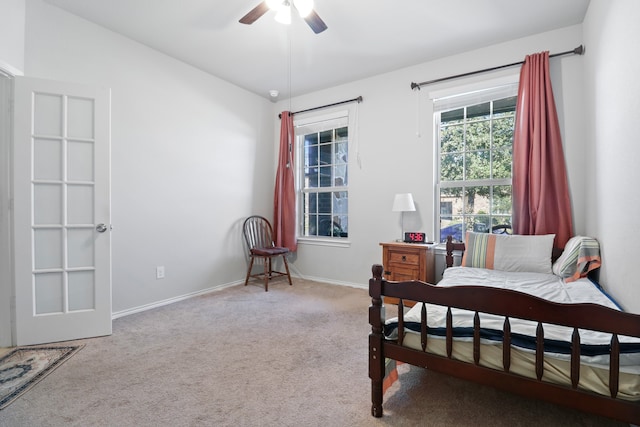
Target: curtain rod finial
<point>579,50</point>
<point>415,86</point>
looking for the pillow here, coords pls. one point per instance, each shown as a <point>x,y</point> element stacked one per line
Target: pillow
<point>508,252</point>
<point>581,255</point>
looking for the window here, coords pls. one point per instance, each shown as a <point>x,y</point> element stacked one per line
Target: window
<point>323,147</point>
<point>474,143</point>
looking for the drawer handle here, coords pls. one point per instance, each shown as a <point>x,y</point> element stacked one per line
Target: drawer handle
<point>404,257</point>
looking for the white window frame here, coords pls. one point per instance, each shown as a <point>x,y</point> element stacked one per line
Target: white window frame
<point>304,124</point>
<point>456,97</point>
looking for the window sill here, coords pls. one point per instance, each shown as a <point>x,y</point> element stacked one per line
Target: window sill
<point>319,241</point>
<point>441,247</point>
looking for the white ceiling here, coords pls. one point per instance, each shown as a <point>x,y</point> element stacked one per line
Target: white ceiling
<point>364,37</point>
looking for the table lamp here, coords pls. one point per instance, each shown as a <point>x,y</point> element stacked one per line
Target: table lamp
<point>403,202</point>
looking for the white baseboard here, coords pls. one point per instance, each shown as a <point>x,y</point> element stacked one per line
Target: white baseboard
<point>335,282</point>
<point>150,306</point>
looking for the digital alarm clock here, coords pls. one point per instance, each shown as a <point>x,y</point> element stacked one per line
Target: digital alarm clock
<point>414,237</point>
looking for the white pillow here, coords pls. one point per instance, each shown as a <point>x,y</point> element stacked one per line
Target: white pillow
<point>508,252</point>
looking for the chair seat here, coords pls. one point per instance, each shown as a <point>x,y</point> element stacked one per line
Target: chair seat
<point>269,251</point>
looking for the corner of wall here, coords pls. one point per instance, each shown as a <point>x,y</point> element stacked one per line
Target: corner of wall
<point>6,280</point>
<point>12,36</point>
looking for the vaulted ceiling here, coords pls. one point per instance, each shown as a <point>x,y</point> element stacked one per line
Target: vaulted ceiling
<point>364,37</point>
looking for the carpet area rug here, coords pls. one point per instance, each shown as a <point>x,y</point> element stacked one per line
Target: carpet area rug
<point>24,367</point>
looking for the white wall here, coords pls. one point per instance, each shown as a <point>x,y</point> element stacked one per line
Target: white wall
<point>193,155</point>
<point>395,159</point>
<point>612,92</point>
<point>12,36</point>
<point>190,154</point>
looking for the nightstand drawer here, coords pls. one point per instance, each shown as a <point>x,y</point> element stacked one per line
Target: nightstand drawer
<point>401,274</point>
<point>407,261</point>
<point>404,258</point>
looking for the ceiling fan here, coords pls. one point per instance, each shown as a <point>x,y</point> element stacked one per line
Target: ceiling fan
<point>283,13</point>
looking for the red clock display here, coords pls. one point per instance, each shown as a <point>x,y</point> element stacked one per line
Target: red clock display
<point>413,237</point>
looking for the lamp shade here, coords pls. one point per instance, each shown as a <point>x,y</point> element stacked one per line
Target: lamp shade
<point>403,202</point>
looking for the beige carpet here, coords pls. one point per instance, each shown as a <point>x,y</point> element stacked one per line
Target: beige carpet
<point>295,356</point>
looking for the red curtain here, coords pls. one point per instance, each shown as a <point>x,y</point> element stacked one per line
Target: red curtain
<point>284,202</point>
<point>541,201</point>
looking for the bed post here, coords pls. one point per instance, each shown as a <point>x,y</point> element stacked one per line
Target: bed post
<point>376,356</point>
<point>449,256</point>
<point>451,246</point>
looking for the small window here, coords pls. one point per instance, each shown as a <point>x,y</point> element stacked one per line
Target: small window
<point>323,176</point>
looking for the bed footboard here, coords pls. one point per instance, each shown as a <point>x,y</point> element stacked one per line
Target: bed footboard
<point>511,305</point>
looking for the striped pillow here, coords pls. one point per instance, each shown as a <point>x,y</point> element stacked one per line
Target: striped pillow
<point>580,256</point>
<point>508,252</point>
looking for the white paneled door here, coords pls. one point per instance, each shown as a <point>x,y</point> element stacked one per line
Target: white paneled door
<point>61,193</point>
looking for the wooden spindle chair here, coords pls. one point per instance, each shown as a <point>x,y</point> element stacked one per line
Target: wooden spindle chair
<point>258,235</point>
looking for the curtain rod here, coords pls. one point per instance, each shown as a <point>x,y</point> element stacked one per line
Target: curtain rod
<point>358,100</point>
<point>577,51</point>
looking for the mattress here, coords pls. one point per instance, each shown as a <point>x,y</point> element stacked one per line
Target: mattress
<point>594,357</point>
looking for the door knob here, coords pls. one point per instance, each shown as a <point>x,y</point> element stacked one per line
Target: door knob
<point>101,228</point>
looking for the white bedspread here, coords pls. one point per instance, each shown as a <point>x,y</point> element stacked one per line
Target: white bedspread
<point>547,286</point>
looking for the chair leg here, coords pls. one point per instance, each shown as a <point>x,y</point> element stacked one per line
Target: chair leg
<point>286,266</point>
<point>267,273</point>
<point>246,280</point>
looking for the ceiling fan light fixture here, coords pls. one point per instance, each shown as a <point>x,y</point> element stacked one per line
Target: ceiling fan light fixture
<point>304,7</point>
<point>284,14</point>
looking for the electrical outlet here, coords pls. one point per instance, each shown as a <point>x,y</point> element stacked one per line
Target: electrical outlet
<point>160,272</point>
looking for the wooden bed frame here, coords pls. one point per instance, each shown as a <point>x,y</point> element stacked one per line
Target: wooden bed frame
<point>510,304</point>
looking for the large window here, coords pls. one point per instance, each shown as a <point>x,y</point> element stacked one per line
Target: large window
<point>323,185</point>
<point>474,142</point>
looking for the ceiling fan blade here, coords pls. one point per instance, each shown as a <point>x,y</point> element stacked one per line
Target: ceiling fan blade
<point>315,22</point>
<point>254,14</point>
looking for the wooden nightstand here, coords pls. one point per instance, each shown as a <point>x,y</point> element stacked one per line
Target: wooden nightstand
<point>408,261</point>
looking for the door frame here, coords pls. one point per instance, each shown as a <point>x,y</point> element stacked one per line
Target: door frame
<point>6,219</point>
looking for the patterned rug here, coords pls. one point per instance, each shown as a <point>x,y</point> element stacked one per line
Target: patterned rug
<point>24,367</point>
